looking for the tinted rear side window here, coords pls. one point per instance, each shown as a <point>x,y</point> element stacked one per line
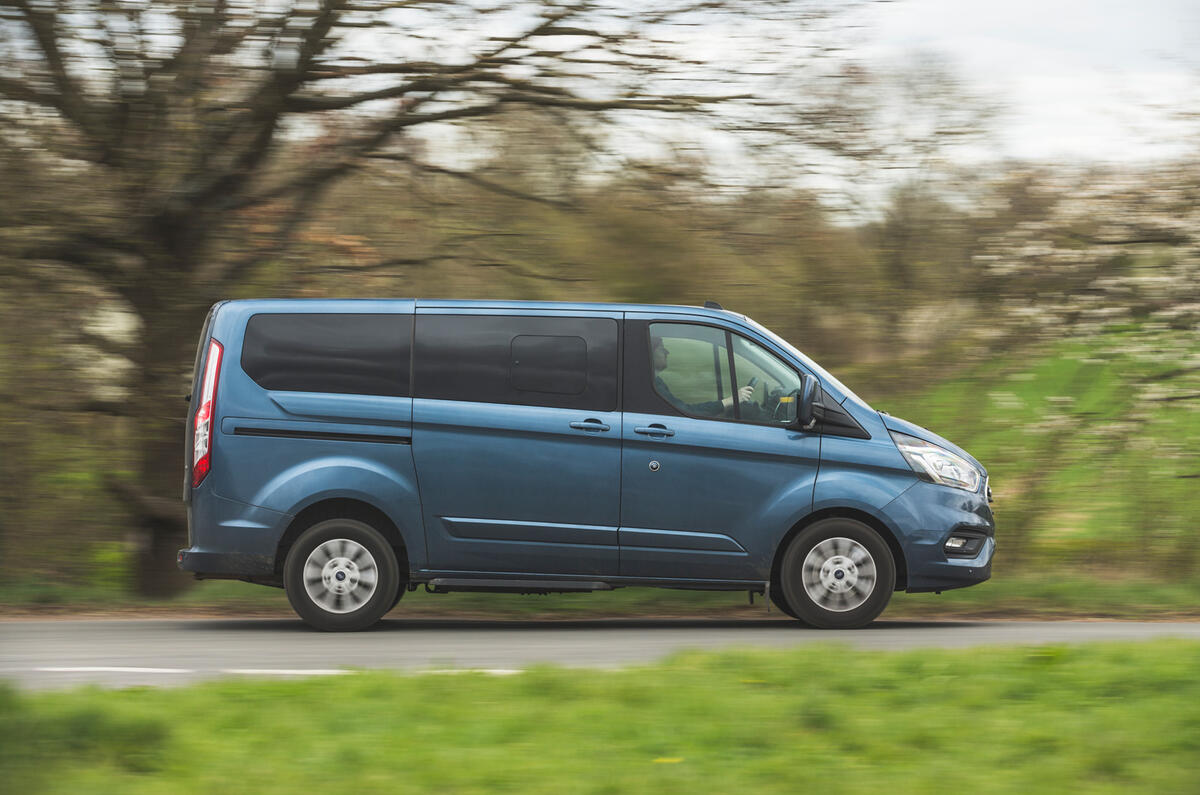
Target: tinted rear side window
<point>345,353</point>
<point>562,362</point>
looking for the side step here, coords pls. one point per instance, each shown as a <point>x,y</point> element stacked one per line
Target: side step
<point>447,584</point>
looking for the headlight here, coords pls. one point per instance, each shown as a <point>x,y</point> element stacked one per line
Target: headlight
<point>941,465</point>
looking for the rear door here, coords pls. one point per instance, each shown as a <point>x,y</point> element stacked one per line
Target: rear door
<point>517,439</point>
<point>314,404</point>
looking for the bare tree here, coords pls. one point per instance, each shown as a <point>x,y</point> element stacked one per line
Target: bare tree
<point>164,150</point>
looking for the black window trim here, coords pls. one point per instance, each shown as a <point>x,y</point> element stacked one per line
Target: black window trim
<point>733,382</point>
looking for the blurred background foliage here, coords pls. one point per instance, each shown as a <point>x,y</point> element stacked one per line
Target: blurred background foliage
<point>1043,316</point>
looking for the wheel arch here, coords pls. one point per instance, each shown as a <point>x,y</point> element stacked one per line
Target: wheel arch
<point>844,513</point>
<point>343,508</point>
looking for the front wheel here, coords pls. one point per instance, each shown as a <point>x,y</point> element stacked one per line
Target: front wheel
<point>341,576</point>
<point>837,574</point>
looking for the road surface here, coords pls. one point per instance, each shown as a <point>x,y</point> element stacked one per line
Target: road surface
<point>41,654</point>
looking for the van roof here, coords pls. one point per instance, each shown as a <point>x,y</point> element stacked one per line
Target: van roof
<point>596,305</point>
<point>333,304</point>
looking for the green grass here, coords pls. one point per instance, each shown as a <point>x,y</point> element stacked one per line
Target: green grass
<point>1093,447</point>
<point>1096,718</point>
<point>1008,595</point>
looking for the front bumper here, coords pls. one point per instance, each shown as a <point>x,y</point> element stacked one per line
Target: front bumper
<point>945,575</point>
<point>926,515</point>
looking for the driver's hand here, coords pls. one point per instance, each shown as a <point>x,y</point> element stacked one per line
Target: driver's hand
<point>744,395</point>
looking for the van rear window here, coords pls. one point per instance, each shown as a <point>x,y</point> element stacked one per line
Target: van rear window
<point>355,354</point>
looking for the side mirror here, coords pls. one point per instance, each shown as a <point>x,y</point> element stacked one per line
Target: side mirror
<point>807,399</point>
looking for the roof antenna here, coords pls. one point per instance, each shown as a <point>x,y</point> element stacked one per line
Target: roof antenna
<point>713,305</point>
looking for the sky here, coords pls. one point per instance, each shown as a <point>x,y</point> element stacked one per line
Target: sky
<point>1095,80</point>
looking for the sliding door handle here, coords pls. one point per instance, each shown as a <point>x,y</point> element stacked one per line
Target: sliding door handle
<point>589,425</point>
<point>654,430</point>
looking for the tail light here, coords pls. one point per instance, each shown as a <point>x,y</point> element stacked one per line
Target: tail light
<point>202,423</point>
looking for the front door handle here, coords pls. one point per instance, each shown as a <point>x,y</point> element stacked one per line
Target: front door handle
<point>654,430</point>
<point>589,425</point>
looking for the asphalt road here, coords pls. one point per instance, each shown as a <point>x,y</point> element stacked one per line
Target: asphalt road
<point>119,653</point>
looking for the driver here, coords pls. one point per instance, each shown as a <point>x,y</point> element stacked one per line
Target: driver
<point>712,408</point>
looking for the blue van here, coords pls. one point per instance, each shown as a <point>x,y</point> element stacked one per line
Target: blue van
<point>349,451</point>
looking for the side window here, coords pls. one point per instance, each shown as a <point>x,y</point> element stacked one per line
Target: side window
<point>553,365</point>
<point>775,384</point>
<point>345,353</point>
<point>691,368</point>
<point>561,362</point>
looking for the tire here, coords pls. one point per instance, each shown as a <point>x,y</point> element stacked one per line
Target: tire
<point>780,603</point>
<point>399,595</point>
<point>341,575</point>
<point>837,574</point>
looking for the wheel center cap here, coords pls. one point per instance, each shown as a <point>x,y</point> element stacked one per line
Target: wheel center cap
<point>340,575</point>
<point>839,574</point>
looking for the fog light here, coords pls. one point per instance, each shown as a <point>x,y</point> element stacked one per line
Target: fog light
<point>965,546</point>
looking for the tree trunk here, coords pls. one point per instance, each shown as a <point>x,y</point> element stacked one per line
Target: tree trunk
<point>161,533</point>
<point>159,414</point>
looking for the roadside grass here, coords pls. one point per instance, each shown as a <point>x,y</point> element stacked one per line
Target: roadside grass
<point>1094,718</point>
<point>1092,446</point>
<point>1026,595</point>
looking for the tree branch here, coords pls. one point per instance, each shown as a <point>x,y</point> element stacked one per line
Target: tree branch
<point>1136,237</point>
<point>71,102</point>
<point>309,104</point>
<point>112,408</point>
<point>157,509</point>
<point>351,157</point>
<point>21,91</point>
<point>478,181</point>
<point>106,345</point>
<point>85,251</point>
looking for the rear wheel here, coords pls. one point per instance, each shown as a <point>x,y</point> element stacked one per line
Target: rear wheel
<point>341,575</point>
<point>837,574</point>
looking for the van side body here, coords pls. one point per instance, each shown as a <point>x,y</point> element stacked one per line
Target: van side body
<point>539,446</point>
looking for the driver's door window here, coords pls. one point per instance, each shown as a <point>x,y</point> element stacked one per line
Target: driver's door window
<point>691,368</point>
<point>776,385</point>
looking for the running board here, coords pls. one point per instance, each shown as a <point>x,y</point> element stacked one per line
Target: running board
<point>447,584</point>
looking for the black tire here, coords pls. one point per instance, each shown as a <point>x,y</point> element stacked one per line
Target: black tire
<point>780,603</point>
<point>348,536</point>
<point>834,542</point>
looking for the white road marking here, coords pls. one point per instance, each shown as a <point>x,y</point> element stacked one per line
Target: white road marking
<point>490,671</point>
<point>109,669</point>
<point>286,671</point>
<point>126,669</point>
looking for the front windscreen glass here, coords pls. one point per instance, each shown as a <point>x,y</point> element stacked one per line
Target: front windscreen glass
<point>825,376</point>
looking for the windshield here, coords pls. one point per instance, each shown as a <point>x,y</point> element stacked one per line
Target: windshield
<point>821,372</point>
